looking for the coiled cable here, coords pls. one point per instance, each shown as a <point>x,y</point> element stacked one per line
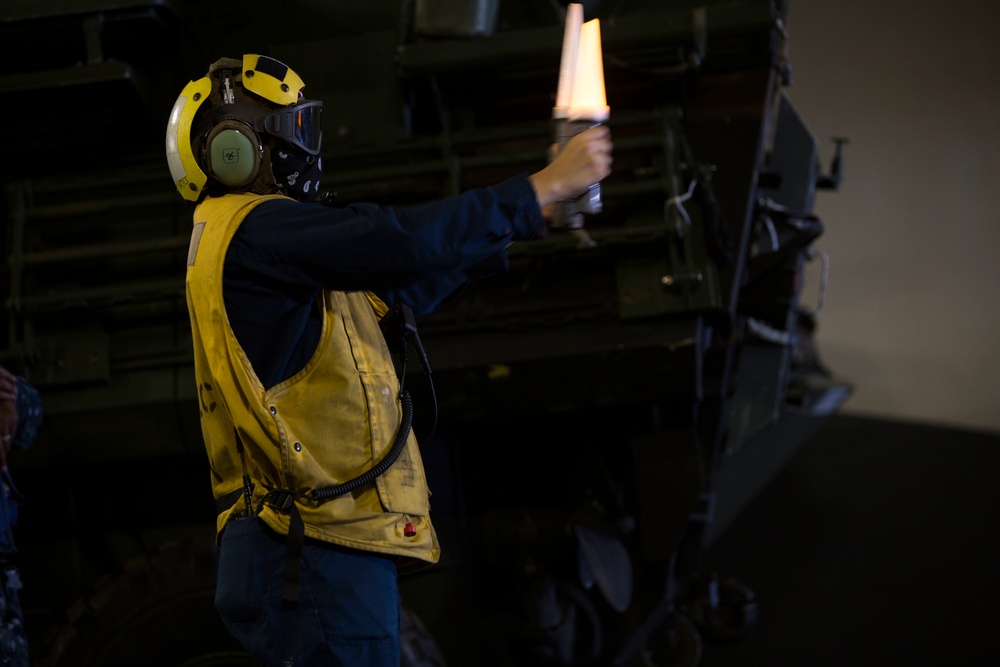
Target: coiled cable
<point>367,477</point>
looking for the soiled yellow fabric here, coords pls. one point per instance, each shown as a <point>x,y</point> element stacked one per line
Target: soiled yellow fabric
<point>330,422</point>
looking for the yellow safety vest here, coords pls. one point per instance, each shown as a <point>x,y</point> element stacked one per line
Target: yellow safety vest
<point>330,422</point>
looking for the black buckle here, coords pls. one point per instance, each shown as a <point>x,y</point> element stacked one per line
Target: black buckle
<point>280,499</point>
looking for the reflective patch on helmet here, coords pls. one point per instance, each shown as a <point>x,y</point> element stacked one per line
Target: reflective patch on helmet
<point>184,169</point>
<point>271,66</point>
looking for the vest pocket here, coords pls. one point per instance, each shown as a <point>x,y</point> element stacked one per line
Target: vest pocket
<point>402,489</point>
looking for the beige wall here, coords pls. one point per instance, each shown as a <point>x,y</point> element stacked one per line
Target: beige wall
<point>913,306</point>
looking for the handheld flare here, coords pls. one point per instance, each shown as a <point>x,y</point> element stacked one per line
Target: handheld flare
<point>580,103</point>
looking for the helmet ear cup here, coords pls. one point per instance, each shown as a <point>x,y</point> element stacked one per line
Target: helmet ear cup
<point>232,153</point>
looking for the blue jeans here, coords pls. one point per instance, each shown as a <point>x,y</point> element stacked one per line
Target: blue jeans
<point>348,611</point>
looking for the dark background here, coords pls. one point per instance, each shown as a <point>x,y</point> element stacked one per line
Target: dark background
<point>877,545</point>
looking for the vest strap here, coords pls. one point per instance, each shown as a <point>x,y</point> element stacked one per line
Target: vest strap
<point>284,500</point>
<point>225,502</point>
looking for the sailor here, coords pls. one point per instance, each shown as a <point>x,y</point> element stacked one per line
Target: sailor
<point>299,397</point>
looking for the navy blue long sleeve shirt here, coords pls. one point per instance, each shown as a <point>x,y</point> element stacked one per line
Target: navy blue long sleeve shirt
<point>286,252</point>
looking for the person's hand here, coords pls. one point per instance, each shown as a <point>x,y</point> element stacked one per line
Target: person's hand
<point>583,161</point>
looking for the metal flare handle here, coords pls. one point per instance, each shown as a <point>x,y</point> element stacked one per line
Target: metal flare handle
<point>568,213</point>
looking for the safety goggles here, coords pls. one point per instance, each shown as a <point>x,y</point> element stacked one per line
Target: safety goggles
<point>298,124</point>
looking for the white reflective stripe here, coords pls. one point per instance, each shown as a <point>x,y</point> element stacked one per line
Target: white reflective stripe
<point>177,170</point>
<point>184,169</point>
<point>199,229</point>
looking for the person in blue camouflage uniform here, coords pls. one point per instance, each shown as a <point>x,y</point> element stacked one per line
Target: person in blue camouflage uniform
<point>20,417</point>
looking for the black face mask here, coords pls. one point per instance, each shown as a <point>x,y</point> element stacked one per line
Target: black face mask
<point>296,174</point>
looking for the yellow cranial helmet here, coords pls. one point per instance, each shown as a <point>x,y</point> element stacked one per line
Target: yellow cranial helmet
<point>214,133</point>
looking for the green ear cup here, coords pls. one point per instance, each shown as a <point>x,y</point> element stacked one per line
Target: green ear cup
<point>233,159</point>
